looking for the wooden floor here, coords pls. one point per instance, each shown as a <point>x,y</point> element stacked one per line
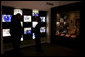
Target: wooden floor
<point>48,50</point>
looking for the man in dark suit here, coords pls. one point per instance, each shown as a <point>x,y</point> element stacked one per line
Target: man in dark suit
<point>16,32</point>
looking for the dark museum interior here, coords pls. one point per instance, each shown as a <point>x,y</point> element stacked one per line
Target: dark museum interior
<point>49,28</point>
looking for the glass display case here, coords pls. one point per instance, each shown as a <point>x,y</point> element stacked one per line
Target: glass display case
<point>68,23</point>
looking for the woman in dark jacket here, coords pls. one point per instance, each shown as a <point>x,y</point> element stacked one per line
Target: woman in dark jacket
<point>38,34</point>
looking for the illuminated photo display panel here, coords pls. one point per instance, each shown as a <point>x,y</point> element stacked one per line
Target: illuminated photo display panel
<point>6,18</point>
<point>16,11</point>
<point>6,32</point>
<point>34,24</point>
<point>27,30</point>
<point>27,18</point>
<point>21,23</point>
<point>35,12</point>
<point>42,19</point>
<point>33,36</point>
<point>21,38</point>
<point>42,29</point>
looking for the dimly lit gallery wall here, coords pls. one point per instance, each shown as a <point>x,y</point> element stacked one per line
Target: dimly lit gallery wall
<point>10,10</point>
<point>27,7</point>
<point>5,10</point>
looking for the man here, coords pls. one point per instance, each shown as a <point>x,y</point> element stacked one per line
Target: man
<point>16,32</point>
